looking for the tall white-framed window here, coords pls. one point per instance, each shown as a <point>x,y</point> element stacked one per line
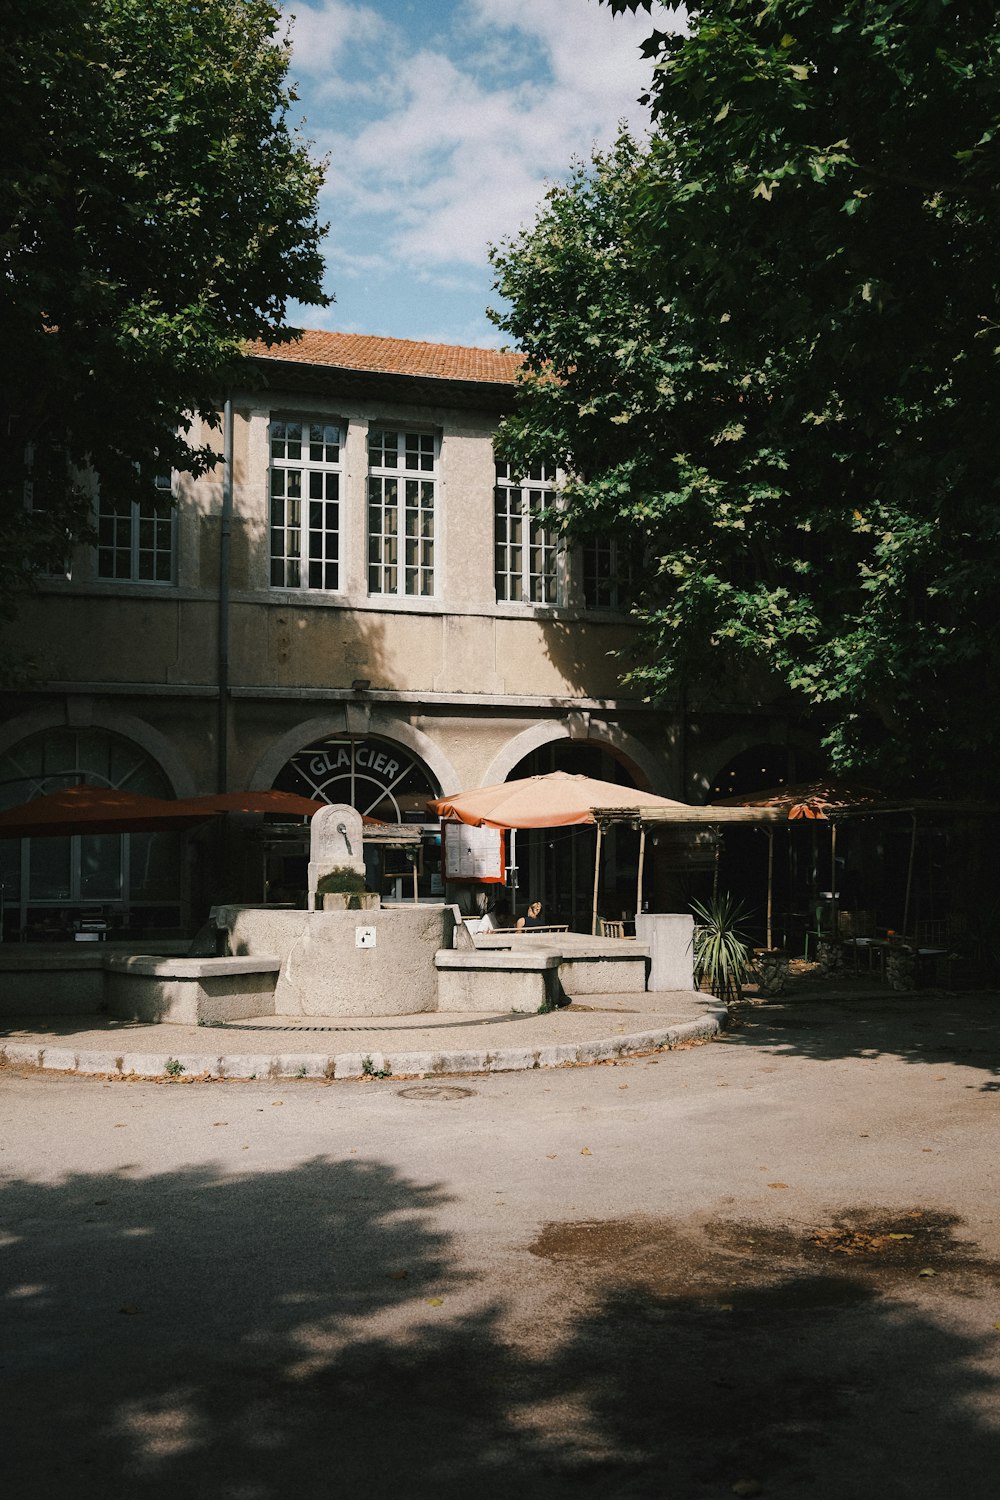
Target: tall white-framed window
<point>136,539</point>
<point>607,574</point>
<point>305,503</point>
<point>525,549</point>
<point>402,500</point>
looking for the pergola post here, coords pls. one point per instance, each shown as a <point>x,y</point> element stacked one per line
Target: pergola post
<point>769,885</point>
<point>642,858</point>
<point>834,891</point>
<point>597,878</point>
<point>909,876</point>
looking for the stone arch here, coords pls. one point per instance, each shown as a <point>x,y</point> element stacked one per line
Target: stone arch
<point>738,744</point>
<point>419,744</point>
<point>125,877</point>
<point>127,726</point>
<point>644,765</point>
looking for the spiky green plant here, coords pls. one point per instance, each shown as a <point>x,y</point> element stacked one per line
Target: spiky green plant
<point>723,953</point>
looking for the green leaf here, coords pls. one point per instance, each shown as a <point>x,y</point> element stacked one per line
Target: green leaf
<point>837,556</point>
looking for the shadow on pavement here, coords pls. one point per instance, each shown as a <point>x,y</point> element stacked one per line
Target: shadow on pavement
<point>311,1332</point>
<point>838,1020</point>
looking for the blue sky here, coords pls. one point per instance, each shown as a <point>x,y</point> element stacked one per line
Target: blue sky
<point>444,121</point>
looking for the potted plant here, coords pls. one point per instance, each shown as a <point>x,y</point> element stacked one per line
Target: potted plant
<point>723,953</point>
<point>343,889</point>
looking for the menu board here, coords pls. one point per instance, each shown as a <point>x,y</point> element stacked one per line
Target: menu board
<point>472,853</point>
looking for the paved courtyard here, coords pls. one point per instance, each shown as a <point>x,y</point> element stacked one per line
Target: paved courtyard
<point>761,1265</point>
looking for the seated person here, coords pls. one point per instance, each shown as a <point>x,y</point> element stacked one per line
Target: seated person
<point>533,918</point>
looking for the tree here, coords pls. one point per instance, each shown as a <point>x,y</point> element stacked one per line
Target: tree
<point>157,210</point>
<point>774,335</point>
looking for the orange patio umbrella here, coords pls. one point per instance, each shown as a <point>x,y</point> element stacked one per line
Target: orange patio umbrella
<point>550,801</point>
<point>811,799</point>
<point>553,800</point>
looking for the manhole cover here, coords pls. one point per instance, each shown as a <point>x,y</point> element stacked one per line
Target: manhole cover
<point>436,1091</point>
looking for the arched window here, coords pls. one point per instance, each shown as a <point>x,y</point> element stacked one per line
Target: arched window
<point>556,865</point>
<point>378,777</point>
<point>50,883</point>
<point>382,780</point>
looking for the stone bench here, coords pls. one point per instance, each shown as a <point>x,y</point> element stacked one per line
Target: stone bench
<point>187,991</point>
<point>604,973</point>
<point>62,980</point>
<point>587,965</point>
<point>497,980</point>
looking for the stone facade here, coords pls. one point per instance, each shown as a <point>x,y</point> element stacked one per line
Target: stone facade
<point>226,674</point>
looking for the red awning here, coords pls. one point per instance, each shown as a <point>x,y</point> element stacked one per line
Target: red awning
<point>96,809</point>
<point>267,802</point>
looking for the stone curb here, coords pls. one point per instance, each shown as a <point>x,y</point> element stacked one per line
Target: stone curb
<point>343,1065</point>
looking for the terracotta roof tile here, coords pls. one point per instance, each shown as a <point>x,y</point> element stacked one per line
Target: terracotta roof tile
<point>361,351</point>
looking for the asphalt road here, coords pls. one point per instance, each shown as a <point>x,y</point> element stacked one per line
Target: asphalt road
<point>764,1265</point>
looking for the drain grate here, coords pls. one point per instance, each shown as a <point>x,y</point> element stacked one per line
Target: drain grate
<point>436,1091</point>
<point>295,1029</point>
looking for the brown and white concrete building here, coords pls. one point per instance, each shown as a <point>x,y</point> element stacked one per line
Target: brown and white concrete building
<point>360,606</point>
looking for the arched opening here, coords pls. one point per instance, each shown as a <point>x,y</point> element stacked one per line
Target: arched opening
<point>51,885</point>
<point>761,767</point>
<point>556,865</point>
<point>384,781</point>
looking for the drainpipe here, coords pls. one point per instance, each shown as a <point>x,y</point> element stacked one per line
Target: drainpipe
<point>909,875</point>
<point>225,534</point>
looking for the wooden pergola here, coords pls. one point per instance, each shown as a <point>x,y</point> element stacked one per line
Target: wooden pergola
<point>644,819</point>
<point>821,801</point>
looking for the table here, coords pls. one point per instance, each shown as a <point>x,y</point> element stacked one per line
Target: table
<point>876,950</point>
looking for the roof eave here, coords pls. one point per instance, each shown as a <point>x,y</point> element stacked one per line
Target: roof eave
<point>435,390</point>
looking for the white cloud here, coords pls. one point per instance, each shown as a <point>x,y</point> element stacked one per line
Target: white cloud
<point>443,140</point>
<point>592,53</point>
<point>324,36</point>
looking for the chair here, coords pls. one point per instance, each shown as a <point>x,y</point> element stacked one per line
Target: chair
<point>608,927</point>
<point>855,929</point>
<point>815,936</point>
